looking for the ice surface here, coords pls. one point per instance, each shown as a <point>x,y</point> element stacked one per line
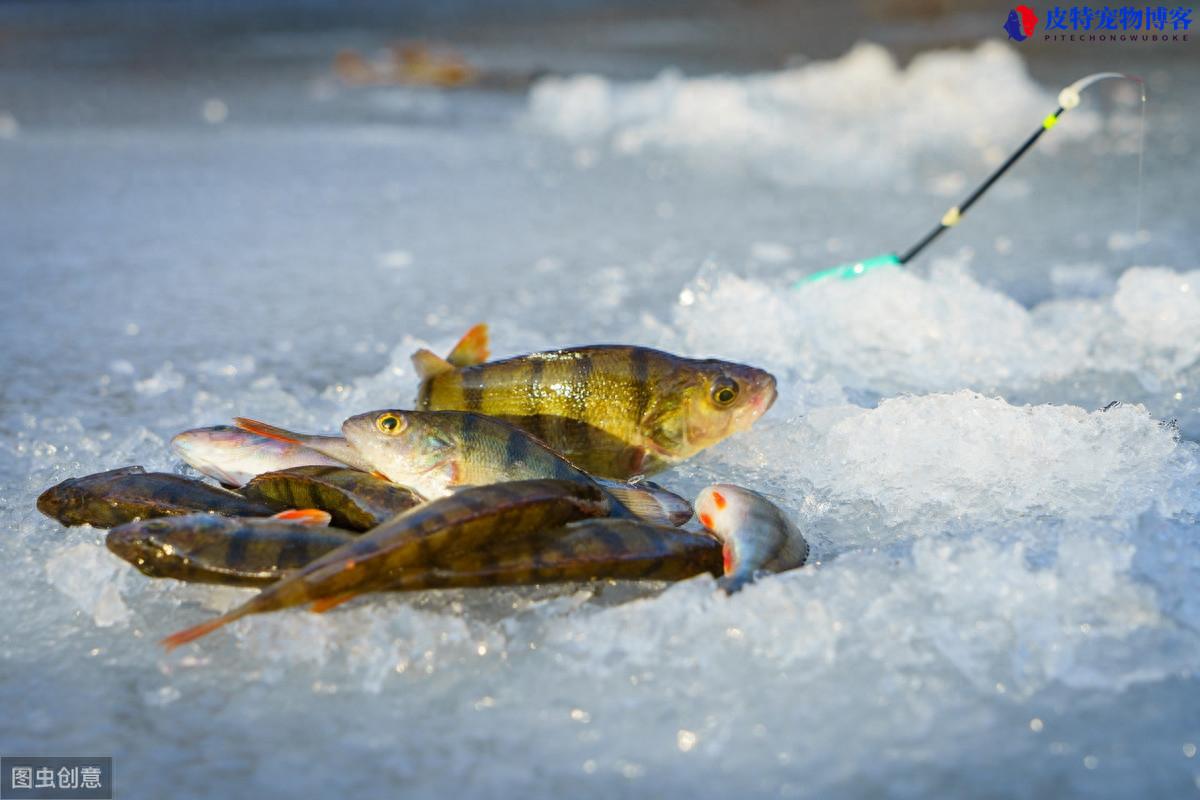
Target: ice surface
<point>1002,599</point>
<point>895,330</point>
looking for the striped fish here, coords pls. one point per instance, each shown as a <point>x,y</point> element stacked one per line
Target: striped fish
<point>429,533</point>
<point>591,549</point>
<point>614,410</point>
<point>436,452</point>
<point>204,548</point>
<point>356,500</point>
<point>122,495</point>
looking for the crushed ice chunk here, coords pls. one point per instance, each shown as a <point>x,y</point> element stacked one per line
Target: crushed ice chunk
<point>92,577</point>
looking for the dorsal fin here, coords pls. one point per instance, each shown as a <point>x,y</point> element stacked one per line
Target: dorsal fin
<point>326,603</point>
<point>269,431</point>
<point>471,349</point>
<point>428,365</point>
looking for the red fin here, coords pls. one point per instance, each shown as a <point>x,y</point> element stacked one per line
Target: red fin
<point>269,431</point>
<point>195,632</point>
<point>471,349</point>
<point>428,364</point>
<point>326,603</point>
<point>304,516</point>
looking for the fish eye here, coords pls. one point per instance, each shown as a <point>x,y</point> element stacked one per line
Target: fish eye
<point>724,391</point>
<point>390,424</point>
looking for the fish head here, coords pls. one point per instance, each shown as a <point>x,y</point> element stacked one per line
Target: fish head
<point>714,401</point>
<point>61,500</point>
<point>66,500</point>
<point>209,451</point>
<point>406,447</point>
<point>755,534</point>
<point>722,510</point>
<point>159,547</point>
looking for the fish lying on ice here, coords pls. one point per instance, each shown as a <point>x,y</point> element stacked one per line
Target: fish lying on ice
<point>755,534</point>
<point>435,452</point>
<point>234,456</point>
<point>256,552</point>
<point>232,551</point>
<point>591,549</point>
<point>443,529</point>
<point>122,495</point>
<point>356,500</point>
<point>616,411</point>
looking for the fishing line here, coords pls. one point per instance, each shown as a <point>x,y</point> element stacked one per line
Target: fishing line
<point>1068,99</point>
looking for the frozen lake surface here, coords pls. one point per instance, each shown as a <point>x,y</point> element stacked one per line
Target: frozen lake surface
<point>1003,600</point>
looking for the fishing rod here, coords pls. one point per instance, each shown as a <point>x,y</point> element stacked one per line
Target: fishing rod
<point>1068,98</point>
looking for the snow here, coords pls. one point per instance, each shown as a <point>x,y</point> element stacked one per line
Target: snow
<point>1001,597</point>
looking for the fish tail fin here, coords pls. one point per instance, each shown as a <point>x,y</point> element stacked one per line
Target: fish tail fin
<point>429,364</point>
<point>471,349</point>
<point>327,603</point>
<point>304,516</point>
<point>269,431</point>
<point>203,629</point>
<point>649,501</point>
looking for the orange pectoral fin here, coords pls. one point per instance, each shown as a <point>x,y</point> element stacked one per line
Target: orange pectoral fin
<point>269,431</point>
<point>471,349</point>
<point>193,633</point>
<point>326,603</point>
<point>304,516</point>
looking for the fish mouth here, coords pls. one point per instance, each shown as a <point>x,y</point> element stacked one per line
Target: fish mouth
<point>765,394</point>
<point>127,542</point>
<point>131,545</point>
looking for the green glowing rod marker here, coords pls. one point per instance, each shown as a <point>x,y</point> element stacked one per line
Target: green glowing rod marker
<point>1068,98</point>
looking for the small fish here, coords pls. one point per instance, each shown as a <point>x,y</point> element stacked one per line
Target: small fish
<point>233,551</point>
<point>234,456</point>
<point>436,452</point>
<point>130,493</point>
<point>755,534</point>
<point>614,410</point>
<point>442,529</point>
<point>356,500</point>
<point>591,549</point>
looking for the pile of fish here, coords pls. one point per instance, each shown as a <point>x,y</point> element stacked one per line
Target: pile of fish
<point>522,471</point>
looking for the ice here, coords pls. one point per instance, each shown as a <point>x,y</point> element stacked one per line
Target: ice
<point>895,330</point>
<point>88,575</point>
<point>1002,595</point>
<point>770,123</point>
